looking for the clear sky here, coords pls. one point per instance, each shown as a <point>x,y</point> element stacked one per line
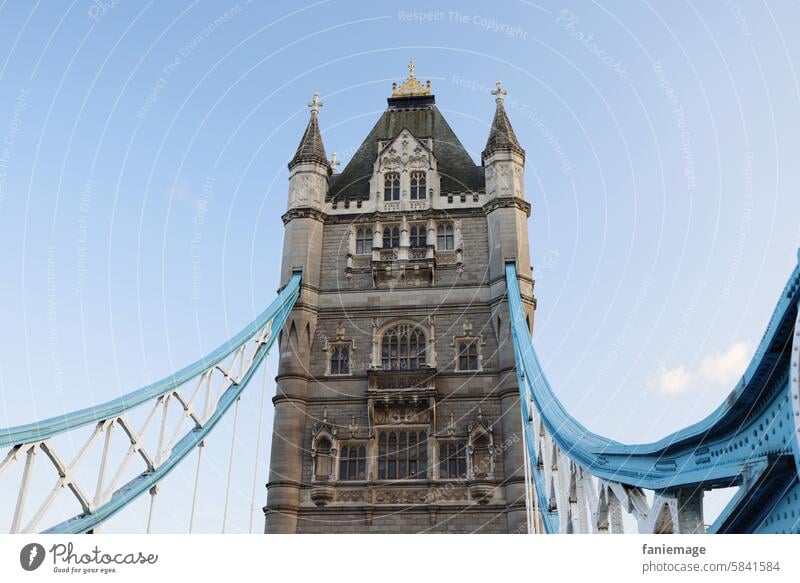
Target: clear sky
<point>143,175</point>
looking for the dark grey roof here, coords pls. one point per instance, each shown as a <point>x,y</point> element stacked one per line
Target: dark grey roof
<point>501,135</point>
<point>311,148</point>
<point>422,118</point>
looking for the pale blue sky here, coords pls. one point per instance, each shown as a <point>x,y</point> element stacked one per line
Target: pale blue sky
<point>143,175</point>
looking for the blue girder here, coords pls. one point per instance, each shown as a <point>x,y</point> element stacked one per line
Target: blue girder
<point>41,430</point>
<point>277,313</point>
<point>747,441</point>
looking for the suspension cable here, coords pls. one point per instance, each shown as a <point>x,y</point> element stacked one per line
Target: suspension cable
<point>258,447</point>
<point>526,465</point>
<point>230,465</point>
<point>200,447</point>
<point>159,457</point>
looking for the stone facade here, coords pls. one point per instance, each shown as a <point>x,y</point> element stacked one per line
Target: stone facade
<point>397,403</point>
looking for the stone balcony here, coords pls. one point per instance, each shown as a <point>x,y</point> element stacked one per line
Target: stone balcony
<point>403,266</point>
<point>401,396</point>
<point>401,380</point>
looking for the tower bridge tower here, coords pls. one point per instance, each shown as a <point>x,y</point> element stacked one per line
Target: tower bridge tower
<point>397,401</point>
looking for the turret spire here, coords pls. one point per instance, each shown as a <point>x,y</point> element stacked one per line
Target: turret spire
<point>311,148</point>
<point>501,134</point>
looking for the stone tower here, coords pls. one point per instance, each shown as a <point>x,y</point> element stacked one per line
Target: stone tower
<point>397,402</point>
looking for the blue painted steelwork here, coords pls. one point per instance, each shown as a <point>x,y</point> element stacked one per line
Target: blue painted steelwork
<point>142,483</point>
<point>748,441</point>
<point>41,430</point>
<point>275,316</point>
<point>549,518</point>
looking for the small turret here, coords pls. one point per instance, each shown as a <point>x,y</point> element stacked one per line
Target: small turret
<point>503,158</point>
<point>309,169</point>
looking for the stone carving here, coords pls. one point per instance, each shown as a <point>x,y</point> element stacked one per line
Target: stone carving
<point>351,496</point>
<point>450,494</point>
<point>400,415</point>
<point>398,496</point>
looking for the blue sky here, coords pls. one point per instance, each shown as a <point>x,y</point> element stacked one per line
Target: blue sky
<point>143,175</point>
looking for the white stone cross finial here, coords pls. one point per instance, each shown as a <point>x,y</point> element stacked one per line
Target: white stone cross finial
<point>334,161</point>
<point>315,104</point>
<point>499,93</point>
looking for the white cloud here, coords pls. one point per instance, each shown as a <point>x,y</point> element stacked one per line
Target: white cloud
<point>728,366</point>
<point>673,381</point>
<point>720,368</point>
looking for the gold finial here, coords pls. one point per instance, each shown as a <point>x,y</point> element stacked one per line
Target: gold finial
<point>411,86</point>
<point>315,104</point>
<point>499,93</point>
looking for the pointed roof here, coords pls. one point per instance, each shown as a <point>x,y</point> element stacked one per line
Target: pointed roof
<point>501,134</point>
<point>420,116</point>
<point>311,148</point>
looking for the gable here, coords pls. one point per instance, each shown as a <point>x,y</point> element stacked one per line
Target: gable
<point>456,168</point>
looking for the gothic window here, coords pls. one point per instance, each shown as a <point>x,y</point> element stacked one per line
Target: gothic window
<point>353,462</point>
<point>323,463</point>
<point>452,460</point>
<point>402,454</point>
<point>444,237</point>
<point>363,241</point>
<point>340,359</point>
<point>391,186</point>
<point>403,348</point>
<point>419,236</point>
<point>468,354</point>
<point>418,186</point>
<point>391,237</point>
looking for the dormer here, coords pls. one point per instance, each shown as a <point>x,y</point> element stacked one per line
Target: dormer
<point>405,176</point>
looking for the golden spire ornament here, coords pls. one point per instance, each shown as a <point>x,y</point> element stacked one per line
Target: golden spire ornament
<point>411,87</point>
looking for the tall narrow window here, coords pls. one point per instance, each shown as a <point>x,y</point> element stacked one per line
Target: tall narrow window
<point>382,456</point>
<point>403,348</point>
<point>362,463</point>
<point>444,237</point>
<point>402,455</point>
<point>481,457</point>
<point>323,465</point>
<point>353,463</point>
<point>340,359</point>
<point>391,186</point>
<point>419,236</point>
<point>418,185</point>
<point>391,460</point>
<point>391,237</point>
<point>363,241</point>
<point>468,355</point>
<point>452,460</point>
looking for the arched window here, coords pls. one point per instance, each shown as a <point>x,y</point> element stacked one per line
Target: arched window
<point>340,359</point>
<point>418,185</point>
<point>391,237</point>
<point>402,455</point>
<point>468,355</point>
<point>419,236</point>
<point>363,241</point>
<point>353,463</point>
<point>323,466</point>
<point>444,237</point>
<point>391,186</point>
<point>403,348</point>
